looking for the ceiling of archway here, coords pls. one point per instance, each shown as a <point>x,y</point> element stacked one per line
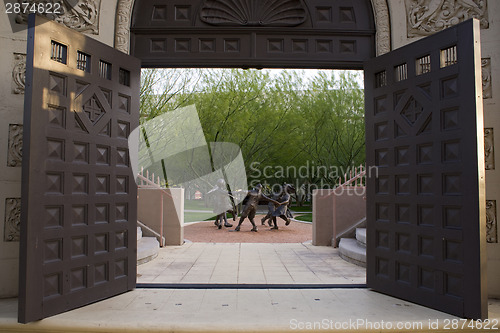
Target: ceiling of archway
<point>253,33</point>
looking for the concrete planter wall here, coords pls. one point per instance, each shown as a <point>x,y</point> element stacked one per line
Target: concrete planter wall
<point>335,211</point>
<point>149,210</point>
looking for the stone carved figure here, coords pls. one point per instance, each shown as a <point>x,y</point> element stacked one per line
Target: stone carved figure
<point>491,221</point>
<point>486,77</point>
<point>250,208</point>
<point>12,226</point>
<point>15,148</point>
<point>221,204</point>
<point>19,73</point>
<point>425,17</point>
<point>489,153</point>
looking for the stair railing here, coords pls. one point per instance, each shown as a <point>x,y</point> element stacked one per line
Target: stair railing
<point>354,178</point>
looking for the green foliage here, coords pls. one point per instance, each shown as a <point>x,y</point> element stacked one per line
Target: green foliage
<point>283,122</point>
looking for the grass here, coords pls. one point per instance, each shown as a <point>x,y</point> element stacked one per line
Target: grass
<point>305,217</point>
<point>195,205</point>
<point>301,209</point>
<point>194,217</point>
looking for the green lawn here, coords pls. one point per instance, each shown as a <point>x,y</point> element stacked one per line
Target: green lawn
<point>305,217</point>
<point>195,205</point>
<point>301,209</point>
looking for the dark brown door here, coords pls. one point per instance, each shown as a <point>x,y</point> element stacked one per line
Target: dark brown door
<point>426,206</point>
<point>79,199</point>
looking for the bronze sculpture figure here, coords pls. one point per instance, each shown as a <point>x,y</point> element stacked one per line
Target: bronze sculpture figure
<point>221,204</point>
<point>282,210</point>
<point>250,208</point>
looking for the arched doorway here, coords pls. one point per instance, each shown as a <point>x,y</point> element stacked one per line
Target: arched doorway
<point>267,34</point>
<point>378,9</point>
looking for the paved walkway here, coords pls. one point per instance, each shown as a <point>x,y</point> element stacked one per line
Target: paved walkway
<point>240,310</point>
<point>286,263</point>
<point>167,310</point>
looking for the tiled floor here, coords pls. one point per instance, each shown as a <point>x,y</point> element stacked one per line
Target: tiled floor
<point>286,263</point>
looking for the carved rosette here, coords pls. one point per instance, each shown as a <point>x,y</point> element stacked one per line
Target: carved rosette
<point>19,73</point>
<point>15,149</point>
<point>491,221</point>
<point>426,17</point>
<point>80,15</point>
<point>12,226</point>
<point>486,74</point>
<point>489,152</point>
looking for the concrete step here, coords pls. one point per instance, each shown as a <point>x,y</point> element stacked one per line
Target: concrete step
<point>147,249</point>
<point>351,251</point>
<point>139,233</point>
<point>361,236</point>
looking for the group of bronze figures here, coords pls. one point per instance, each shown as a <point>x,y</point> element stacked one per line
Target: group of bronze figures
<point>278,206</point>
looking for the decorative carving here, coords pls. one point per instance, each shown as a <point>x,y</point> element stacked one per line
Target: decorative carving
<point>12,227</point>
<point>93,109</point>
<point>489,152</point>
<point>80,15</point>
<point>19,73</point>
<point>412,111</point>
<point>382,26</point>
<point>15,153</point>
<point>253,13</point>
<point>486,73</point>
<point>122,29</point>
<point>491,221</point>
<point>425,17</point>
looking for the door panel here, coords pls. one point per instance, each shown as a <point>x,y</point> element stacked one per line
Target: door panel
<point>426,203</point>
<point>78,229</point>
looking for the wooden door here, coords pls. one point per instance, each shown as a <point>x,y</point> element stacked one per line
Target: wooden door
<point>79,199</point>
<point>426,206</point>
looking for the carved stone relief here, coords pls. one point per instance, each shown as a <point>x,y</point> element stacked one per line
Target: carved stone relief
<point>425,17</point>
<point>122,29</point>
<point>12,227</point>
<point>486,73</point>
<point>82,15</point>
<point>382,26</point>
<point>253,13</point>
<point>489,151</point>
<point>19,73</point>
<point>15,149</point>
<point>491,221</point>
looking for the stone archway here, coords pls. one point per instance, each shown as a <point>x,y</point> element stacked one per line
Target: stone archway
<point>380,10</point>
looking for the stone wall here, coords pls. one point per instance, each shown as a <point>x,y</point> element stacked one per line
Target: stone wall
<point>415,19</point>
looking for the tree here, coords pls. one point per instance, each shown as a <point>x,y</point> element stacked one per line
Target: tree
<point>282,123</point>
